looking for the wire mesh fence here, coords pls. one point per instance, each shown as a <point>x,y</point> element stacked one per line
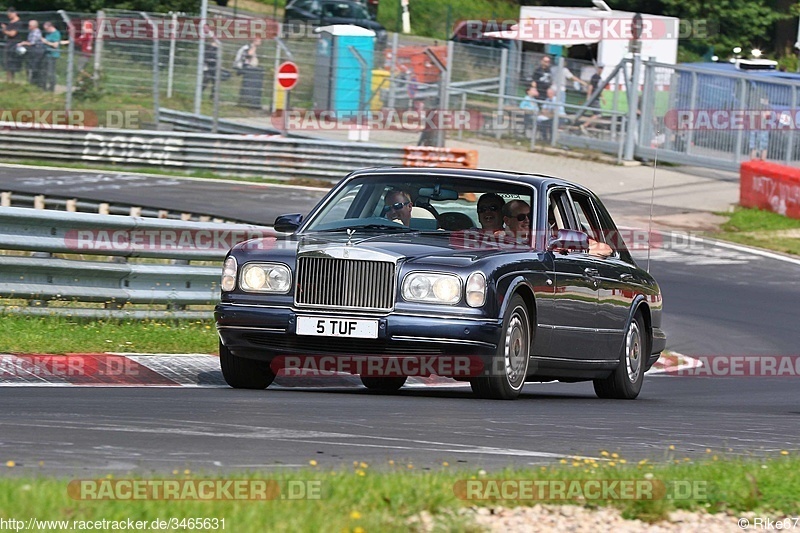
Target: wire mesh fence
<point>124,79</point>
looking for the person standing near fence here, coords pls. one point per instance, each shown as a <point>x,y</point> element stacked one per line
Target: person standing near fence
<point>13,36</point>
<point>85,44</point>
<point>34,55</point>
<point>543,75</point>
<point>52,40</point>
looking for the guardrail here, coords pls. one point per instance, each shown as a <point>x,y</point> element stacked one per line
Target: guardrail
<point>76,205</point>
<point>274,157</point>
<point>41,278</point>
<point>182,121</point>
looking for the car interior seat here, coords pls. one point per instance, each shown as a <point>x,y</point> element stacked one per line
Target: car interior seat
<point>455,221</point>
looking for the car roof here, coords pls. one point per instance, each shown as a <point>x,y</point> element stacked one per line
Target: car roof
<point>537,180</point>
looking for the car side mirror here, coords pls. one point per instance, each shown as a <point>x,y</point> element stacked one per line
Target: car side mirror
<point>288,223</point>
<point>569,240</point>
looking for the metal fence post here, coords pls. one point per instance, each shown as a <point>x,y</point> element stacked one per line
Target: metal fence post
<point>447,76</point>
<point>648,105</point>
<point>790,139</point>
<point>362,89</point>
<point>217,85</point>
<point>633,106</point>
<point>393,71</point>
<point>201,49</point>
<point>463,109</point>
<point>98,47</point>
<point>444,83</point>
<point>742,90</point>
<point>501,92</point>
<point>171,66</point>
<point>155,66</point>
<point>70,59</point>
<point>692,106</point>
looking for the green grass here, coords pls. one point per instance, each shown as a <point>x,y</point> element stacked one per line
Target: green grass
<point>763,229</point>
<point>385,497</point>
<point>63,334</point>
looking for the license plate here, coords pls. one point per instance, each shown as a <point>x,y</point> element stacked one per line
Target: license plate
<point>326,326</point>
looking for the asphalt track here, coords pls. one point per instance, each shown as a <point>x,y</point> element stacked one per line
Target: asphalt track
<point>719,300</point>
<point>87,429</point>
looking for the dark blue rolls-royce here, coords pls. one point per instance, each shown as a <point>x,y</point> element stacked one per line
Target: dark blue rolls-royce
<point>490,277</point>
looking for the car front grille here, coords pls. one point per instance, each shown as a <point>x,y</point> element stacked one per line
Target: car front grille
<point>345,283</point>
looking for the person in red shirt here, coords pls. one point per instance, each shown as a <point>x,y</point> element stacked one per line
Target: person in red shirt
<point>84,43</point>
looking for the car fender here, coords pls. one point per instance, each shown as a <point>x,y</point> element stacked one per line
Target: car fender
<point>638,302</point>
<point>514,285</point>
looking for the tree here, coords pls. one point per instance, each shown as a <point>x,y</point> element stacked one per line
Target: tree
<point>90,6</point>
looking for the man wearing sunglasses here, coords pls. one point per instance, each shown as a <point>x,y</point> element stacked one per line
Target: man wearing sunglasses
<point>517,216</point>
<point>490,212</point>
<point>397,206</point>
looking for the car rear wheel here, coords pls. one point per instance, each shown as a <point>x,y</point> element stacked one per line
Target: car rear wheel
<point>510,366</point>
<point>625,382</point>
<point>383,384</point>
<point>243,373</point>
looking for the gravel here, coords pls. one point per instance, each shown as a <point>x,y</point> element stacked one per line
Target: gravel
<point>558,518</point>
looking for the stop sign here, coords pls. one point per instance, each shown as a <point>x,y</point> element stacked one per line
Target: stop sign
<point>288,74</point>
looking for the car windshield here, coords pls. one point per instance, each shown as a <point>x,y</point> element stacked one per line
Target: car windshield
<point>345,10</point>
<point>403,203</point>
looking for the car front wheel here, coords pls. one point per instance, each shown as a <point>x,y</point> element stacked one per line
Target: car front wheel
<point>243,373</point>
<point>510,366</point>
<point>625,382</point>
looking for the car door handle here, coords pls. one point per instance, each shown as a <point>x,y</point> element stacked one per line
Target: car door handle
<point>626,277</point>
<point>591,272</point>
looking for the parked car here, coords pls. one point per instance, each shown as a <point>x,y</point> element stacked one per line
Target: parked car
<point>378,274</point>
<point>301,14</point>
<point>472,32</point>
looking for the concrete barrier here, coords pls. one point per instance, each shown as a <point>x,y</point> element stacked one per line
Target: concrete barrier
<point>771,187</point>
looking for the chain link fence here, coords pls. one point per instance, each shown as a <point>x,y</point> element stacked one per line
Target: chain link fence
<point>111,74</point>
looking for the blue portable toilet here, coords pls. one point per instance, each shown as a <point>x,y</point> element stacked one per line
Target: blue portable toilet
<point>343,70</point>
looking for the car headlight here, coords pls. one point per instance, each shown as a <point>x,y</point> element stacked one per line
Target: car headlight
<point>432,288</point>
<point>228,282</point>
<point>476,289</point>
<point>265,277</point>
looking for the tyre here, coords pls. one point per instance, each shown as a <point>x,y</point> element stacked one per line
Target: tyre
<point>242,373</point>
<point>510,366</point>
<point>384,384</point>
<point>625,382</point>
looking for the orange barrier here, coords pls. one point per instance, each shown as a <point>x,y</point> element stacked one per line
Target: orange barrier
<point>431,156</point>
<point>769,186</point>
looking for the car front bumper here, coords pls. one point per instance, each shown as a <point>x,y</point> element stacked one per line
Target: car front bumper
<point>265,333</point>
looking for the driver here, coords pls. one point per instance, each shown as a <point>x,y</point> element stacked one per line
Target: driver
<point>397,206</point>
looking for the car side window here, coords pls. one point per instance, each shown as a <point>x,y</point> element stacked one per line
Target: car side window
<point>556,213</point>
<point>586,216</point>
